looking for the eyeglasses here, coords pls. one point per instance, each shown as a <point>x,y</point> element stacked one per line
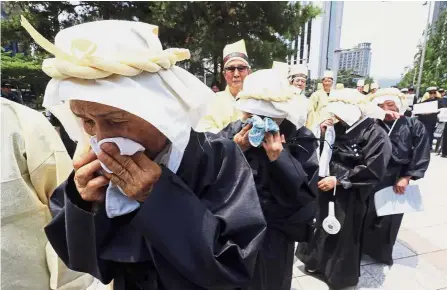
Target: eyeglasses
<point>432,93</point>
<point>241,68</point>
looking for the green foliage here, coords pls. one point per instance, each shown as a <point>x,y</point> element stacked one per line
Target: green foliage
<point>206,27</point>
<point>25,71</point>
<point>435,62</point>
<point>349,78</point>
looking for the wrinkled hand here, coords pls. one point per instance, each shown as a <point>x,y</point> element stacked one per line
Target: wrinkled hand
<point>392,115</point>
<point>401,185</point>
<point>135,175</point>
<point>327,183</point>
<point>241,138</point>
<point>273,145</point>
<point>325,124</point>
<point>90,186</point>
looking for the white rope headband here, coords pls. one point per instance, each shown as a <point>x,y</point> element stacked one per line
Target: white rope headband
<point>84,65</point>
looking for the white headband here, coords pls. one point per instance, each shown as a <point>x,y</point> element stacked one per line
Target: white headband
<point>350,106</point>
<point>388,94</point>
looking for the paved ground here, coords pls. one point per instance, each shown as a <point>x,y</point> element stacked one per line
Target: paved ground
<point>420,256</point>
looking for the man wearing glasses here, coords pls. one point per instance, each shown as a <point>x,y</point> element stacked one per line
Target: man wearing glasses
<point>236,68</point>
<point>442,92</point>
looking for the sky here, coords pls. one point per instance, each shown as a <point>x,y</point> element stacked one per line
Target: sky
<point>393,28</point>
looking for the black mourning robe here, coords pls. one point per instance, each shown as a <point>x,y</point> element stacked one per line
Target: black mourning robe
<point>359,159</point>
<point>444,141</point>
<point>200,228</point>
<point>430,120</point>
<point>69,144</point>
<point>410,157</point>
<point>287,191</point>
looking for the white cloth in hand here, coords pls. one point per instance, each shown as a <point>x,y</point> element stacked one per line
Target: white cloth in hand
<point>117,202</point>
<point>326,154</point>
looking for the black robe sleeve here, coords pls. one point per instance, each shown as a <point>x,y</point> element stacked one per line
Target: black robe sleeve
<point>296,200</point>
<point>290,175</point>
<point>305,151</point>
<point>377,153</point>
<point>293,180</point>
<point>76,233</point>
<point>211,238</point>
<point>421,151</point>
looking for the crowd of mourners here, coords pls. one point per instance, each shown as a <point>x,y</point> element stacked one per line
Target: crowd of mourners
<point>157,182</point>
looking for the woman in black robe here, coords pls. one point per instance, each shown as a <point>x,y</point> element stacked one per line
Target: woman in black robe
<point>286,189</point>
<point>200,228</point>
<point>358,162</point>
<point>286,184</point>
<point>166,209</point>
<point>410,158</point>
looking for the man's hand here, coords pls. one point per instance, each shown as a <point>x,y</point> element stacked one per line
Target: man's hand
<point>135,175</point>
<point>241,138</point>
<point>273,145</point>
<point>327,183</point>
<point>325,124</point>
<point>90,186</point>
<point>391,115</point>
<point>401,184</point>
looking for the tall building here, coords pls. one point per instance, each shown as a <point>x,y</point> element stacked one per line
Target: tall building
<point>330,34</point>
<point>440,6</point>
<point>357,59</point>
<point>319,39</point>
<point>302,43</point>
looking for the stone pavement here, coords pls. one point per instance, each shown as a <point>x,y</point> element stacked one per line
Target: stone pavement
<point>420,255</point>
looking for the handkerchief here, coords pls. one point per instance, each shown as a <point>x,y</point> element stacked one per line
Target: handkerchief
<point>260,127</point>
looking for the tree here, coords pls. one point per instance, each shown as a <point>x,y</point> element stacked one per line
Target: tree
<point>206,27</point>
<point>46,17</point>
<point>24,70</point>
<point>349,78</point>
<point>435,63</point>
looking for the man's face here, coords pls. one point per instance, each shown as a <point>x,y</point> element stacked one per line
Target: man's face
<point>411,92</point>
<point>104,122</point>
<point>235,73</point>
<point>360,89</point>
<point>442,93</point>
<point>6,89</point>
<point>389,106</point>
<point>215,89</point>
<point>299,82</point>
<point>432,94</point>
<point>327,84</point>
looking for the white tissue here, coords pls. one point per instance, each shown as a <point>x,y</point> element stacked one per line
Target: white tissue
<point>117,202</point>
